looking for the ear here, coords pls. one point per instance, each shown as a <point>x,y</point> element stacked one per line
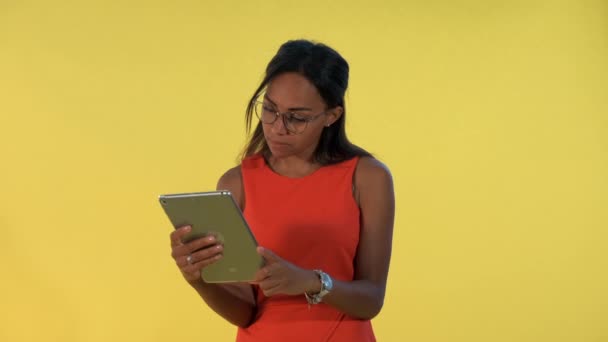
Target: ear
<point>333,115</point>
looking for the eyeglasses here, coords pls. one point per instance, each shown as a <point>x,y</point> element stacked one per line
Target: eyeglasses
<point>294,123</point>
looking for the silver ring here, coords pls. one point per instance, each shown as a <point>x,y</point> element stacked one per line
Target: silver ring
<point>189,259</point>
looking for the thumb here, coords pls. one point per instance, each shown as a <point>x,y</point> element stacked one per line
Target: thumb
<point>268,255</point>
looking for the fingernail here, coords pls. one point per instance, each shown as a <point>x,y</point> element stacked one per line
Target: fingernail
<point>187,228</point>
<point>211,239</point>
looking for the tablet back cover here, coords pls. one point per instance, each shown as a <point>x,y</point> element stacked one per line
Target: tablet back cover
<point>217,213</point>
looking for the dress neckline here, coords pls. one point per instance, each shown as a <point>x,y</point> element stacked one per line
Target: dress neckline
<point>271,171</point>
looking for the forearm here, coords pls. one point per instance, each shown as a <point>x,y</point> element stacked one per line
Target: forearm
<point>359,298</point>
<point>230,305</point>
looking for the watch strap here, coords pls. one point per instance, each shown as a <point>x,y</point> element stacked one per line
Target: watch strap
<point>326,287</point>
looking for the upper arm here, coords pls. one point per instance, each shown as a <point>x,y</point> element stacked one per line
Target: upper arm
<point>374,185</point>
<point>232,181</point>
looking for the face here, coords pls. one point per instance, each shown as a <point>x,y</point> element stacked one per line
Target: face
<point>291,92</point>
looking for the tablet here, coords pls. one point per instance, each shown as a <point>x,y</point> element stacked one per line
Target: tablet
<point>216,213</point>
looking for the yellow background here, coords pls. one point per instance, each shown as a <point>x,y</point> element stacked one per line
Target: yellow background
<point>493,117</point>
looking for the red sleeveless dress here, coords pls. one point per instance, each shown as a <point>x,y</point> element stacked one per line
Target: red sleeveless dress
<point>312,222</point>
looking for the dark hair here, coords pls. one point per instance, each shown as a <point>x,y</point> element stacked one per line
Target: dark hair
<point>328,72</point>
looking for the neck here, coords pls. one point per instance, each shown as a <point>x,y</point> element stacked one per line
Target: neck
<point>293,165</point>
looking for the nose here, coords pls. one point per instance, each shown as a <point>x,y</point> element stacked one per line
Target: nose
<point>278,126</point>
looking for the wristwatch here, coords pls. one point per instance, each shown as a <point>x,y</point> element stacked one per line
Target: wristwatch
<point>326,286</point>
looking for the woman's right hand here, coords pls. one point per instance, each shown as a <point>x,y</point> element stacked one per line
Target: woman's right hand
<point>195,255</point>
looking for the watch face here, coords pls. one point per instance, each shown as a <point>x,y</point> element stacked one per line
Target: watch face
<point>327,282</point>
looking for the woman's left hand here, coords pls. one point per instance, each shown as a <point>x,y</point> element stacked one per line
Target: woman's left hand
<point>279,276</point>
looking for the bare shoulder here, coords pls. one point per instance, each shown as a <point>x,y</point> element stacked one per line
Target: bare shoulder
<point>232,181</point>
<point>373,182</point>
<point>372,171</point>
<point>230,178</point>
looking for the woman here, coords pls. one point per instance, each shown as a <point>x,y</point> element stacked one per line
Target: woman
<point>321,208</point>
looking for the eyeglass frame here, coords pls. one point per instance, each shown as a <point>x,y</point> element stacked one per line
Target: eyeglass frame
<point>306,118</point>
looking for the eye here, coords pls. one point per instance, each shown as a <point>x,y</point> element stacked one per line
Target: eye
<point>268,108</point>
<point>296,118</point>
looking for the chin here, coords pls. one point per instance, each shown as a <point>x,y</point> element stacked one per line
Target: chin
<point>279,153</point>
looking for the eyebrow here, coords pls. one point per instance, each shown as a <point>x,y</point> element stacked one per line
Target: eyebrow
<point>292,109</point>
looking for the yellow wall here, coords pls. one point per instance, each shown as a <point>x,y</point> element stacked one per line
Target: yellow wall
<point>493,117</point>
